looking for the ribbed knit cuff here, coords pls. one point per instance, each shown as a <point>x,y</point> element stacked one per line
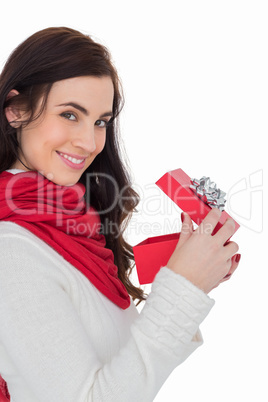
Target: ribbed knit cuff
<point>174,310</point>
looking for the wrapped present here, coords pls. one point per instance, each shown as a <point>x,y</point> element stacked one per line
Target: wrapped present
<point>196,197</point>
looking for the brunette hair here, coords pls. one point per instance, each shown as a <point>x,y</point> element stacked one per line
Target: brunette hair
<point>55,54</point>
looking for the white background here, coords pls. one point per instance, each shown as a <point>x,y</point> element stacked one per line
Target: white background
<point>196,87</point>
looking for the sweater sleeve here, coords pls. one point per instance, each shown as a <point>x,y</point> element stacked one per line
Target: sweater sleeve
<point>45,338</point>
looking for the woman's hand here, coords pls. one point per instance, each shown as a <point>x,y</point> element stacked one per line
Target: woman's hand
<point>203,259</point>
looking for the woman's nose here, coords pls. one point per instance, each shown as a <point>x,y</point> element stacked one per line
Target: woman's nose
<point>86,139</point>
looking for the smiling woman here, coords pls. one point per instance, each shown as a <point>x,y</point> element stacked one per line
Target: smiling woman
<point>69,328</point>
<point>65,139</point>
<point>53,65</point>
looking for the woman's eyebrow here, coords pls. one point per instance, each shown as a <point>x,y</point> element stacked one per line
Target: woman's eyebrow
<point>83,110</point>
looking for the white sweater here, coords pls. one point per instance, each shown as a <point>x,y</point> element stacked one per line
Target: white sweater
<point>61,340</point>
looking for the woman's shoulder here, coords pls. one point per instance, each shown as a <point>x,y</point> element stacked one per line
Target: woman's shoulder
<point>17,239</point>
<point>16,234</point>
<point>23,253</point>
<point>19,247</point>
<point>13,229</point>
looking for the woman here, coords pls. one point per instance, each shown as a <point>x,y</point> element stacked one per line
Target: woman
<point>69,328</point>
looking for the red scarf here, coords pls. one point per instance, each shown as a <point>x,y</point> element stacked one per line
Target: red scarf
<point>58,215</point>
<point>4,394</point>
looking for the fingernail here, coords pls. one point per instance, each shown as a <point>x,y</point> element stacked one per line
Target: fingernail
<point>237,258</point>
<point>182,217</point>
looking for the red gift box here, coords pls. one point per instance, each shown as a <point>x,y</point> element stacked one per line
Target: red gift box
<point>154,252</point>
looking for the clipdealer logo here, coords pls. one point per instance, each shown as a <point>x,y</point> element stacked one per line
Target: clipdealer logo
<point>245,201</point>
<point>245,204</point>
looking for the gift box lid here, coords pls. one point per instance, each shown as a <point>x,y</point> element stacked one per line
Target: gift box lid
<point>176,185</point>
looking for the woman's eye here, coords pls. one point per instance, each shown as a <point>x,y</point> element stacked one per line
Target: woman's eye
<point>101,123</point>
<point>68,116</point>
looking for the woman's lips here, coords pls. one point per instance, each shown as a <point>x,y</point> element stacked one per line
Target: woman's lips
<point>71,161</point>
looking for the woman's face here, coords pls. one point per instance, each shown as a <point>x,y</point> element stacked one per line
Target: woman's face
<point>71,132</point>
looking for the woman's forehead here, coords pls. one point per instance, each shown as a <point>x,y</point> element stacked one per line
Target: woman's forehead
<point>89,90</point>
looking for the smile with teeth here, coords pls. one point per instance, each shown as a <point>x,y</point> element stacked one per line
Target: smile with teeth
<point>73,160</point>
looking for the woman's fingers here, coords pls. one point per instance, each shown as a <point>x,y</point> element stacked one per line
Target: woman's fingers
<point>230,249</point>
<point>210,222</point>
<point>235,261</point>
<point>234,264</point>
<point>186,229</point>
<point>226,231</point>
<point>203,259</point>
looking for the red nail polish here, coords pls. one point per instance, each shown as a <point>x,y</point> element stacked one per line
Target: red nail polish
<point>182,217</point>
<point>237,258</point>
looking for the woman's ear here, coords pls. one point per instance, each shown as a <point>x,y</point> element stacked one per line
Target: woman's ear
<point>12,112</point>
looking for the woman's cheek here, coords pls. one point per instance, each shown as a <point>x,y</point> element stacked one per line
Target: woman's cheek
<point>101,143</point>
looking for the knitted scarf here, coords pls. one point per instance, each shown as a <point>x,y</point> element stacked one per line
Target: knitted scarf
<point>60,217</point>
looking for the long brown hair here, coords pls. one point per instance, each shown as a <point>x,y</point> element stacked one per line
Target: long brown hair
<point>55,54</point>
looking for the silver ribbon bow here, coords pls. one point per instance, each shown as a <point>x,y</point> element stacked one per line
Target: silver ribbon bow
<point>207,190</point>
